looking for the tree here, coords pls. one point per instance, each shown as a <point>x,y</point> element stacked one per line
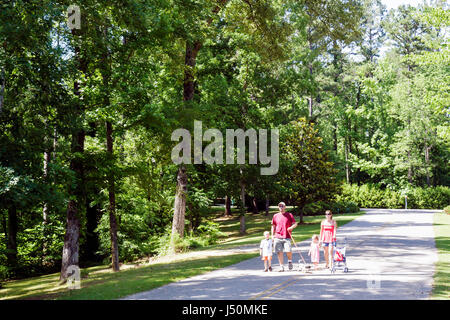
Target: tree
<point>311,173</point>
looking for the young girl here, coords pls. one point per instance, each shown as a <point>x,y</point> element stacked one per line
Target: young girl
<point>265,250</point>
<point>314,251</point>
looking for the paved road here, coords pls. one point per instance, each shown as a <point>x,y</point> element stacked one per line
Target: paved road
<point>390,255</point>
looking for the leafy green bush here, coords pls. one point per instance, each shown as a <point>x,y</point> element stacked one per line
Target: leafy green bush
<point>33,240</point>
<point>319,207</point>
<point>209,231</point>
<point>447,210</point>
<point>206,234</point>
<point>4,273</point>
<point>429,198</point>
<point>344,207</point>
<point>315,208</point>
<point>141,223</point>
<point>373,196</point>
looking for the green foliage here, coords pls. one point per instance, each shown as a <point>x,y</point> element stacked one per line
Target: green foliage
<point>337,207</point>
<point>447,210</point>
<point>372,196</point>
<point>379,121</point>
<point>429,198</point>
<point>205,235</point>
<point>311,174</point>
<point>40,248</point>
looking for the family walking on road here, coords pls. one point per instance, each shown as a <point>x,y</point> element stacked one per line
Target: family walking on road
<point>281,240</point>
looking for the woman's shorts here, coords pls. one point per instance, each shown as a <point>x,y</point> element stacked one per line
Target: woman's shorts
<point>326,244</point>
<point>282,245</point>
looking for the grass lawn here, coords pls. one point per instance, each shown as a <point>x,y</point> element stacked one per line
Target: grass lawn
<point>101,283</point>
<point>441,287</point>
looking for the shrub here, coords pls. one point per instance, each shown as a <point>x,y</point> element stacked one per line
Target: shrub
<point>4,273</point>
<point>373,196</point>
<point>447,210</point>
<point>206,234</point>
<point>319,207</point>
<point>210,231</point>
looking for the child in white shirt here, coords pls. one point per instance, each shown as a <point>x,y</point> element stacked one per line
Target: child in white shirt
<point>265,251</point>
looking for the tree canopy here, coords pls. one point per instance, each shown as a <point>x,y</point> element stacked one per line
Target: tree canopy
<point>359,96</point>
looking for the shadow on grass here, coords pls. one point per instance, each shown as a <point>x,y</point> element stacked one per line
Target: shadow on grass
<point>121,284</point>
<point>110,285</point>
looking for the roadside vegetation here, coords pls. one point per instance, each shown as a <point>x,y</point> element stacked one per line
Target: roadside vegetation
<point>100,282</point>
<point>441,285</point>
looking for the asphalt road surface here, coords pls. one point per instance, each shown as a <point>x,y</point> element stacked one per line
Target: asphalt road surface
<point>390,255</point>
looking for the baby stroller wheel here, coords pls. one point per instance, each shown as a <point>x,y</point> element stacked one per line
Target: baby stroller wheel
<point>345,269</point>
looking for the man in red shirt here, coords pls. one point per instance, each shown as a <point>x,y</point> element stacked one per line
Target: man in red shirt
<point>282,225</point>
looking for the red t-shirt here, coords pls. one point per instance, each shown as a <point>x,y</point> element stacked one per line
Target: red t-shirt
<point>282,222</point>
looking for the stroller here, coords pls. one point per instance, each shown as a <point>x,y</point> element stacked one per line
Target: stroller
<point>339,258</point>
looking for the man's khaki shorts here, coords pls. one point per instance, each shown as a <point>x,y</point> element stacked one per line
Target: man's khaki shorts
<point>282,245</point>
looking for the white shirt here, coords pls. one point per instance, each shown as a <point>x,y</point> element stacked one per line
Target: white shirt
<point>266,246</point>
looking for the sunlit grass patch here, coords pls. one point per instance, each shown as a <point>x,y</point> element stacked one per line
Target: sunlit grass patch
<point>100,282</point>
<point>441,287</point>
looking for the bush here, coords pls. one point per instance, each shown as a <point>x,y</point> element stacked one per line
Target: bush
<point>344,207</point>
<point>206,234</point>
<point>447,210</point>
<point>373,196</point>
<point>319,208</point>
<point>4,273</point>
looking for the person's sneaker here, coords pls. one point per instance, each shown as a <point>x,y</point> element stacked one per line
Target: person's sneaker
<point>265,270</point>
<point>281,269</point>
<point>291,266</point>
<point>270,269</point>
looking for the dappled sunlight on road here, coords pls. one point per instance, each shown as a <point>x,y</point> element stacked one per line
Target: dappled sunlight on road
<point>390,255</point>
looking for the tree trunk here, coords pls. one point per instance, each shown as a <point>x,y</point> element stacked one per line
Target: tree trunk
<point>255,206</point>
<point>190,61</point>
<point>180,205</point>
<point>11,249</point>
<point>45,177</point>
<point>45,208</point>
<point>192,49</point>
<point>267,205</point>
<point>410,171</point>
<point>70,255</point>
<point>106,75</point>
<point>5,230</point>
<point>427,149</point>
<point>242,229</point>
<point>227,206</point>
<point>243,209</point>
<point>188,95</point>
<point>112,201</point>
<point>310,67</point>
<point>347,167</point>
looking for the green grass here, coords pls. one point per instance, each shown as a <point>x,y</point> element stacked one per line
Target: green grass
<point>101,283</point>
<point>441,279</point>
